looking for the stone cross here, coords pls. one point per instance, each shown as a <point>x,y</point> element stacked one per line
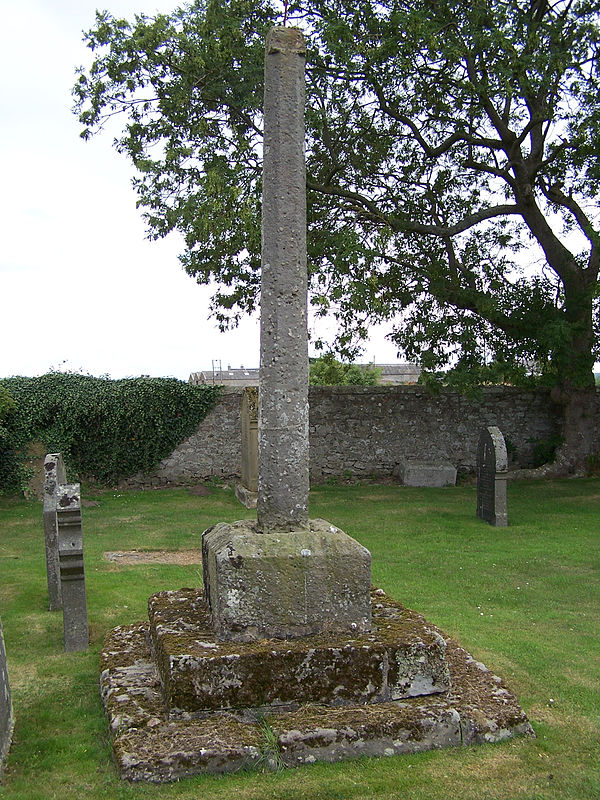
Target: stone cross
<point>72,577</point>
<point>284,576</point>
<point>492,468</point>
<point>54,474</point>
<point>283,481</point>
<point>6,708</point>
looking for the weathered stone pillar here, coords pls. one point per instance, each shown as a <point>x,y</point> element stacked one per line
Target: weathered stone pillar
<point>492,469</point>
<point>284,577</point>
<point>283,481</point>
<point>54,474</point>
<point>72,576</point>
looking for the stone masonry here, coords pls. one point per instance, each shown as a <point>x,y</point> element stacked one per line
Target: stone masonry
<point>368,431</point>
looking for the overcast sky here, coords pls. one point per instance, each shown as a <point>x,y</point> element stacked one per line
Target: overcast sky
<point>80,286</point>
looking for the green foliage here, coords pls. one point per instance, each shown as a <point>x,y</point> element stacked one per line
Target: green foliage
<point>544,450</point>
<point>328,371</point>
<point>106,429</point>
<point>453,164</point>
<point>9,462</point>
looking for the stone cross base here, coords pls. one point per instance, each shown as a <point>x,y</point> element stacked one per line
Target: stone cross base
<point>156,737</point>
<point>284,586</point>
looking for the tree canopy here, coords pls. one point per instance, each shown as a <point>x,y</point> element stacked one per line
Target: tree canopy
<point>327,370</point>
<point>453,166</point>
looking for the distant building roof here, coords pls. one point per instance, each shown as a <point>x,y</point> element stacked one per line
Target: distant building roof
<point>226,377</point>
<point>391,375</point>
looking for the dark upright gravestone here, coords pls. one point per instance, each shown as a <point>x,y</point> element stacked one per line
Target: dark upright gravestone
<point>72,577</point>
<point>492,468</point>
<point>54,475</point>
<point>6,709</point>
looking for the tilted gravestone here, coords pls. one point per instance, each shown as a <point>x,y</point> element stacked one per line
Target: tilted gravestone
<point>54,475</point>
<point>6,709</point>
<point>492,469</point>
<point>247,490</point>
<point>72,577</point>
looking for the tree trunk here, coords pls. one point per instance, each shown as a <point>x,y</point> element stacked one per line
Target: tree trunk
<point>579,425</point>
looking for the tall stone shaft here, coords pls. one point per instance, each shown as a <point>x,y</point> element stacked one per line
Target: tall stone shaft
<point>283,481</point>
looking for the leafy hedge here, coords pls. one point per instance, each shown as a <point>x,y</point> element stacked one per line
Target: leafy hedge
<point>106,429</point>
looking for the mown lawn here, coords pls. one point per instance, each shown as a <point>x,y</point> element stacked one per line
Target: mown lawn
<point>525,600</point>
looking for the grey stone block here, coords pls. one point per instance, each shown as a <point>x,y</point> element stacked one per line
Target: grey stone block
<point>246,496</point>
<point>427,473</point>
<point>297,583</point>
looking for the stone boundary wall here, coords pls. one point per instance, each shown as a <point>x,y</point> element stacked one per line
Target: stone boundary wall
<point>367,431</point>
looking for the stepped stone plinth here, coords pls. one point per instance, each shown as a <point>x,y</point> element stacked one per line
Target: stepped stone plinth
<point>400,657</point>
<point>156,739</point>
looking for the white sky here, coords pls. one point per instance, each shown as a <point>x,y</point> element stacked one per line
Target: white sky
<point>80,286</point>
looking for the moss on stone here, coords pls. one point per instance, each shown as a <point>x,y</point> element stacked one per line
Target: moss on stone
<point>150,746</point>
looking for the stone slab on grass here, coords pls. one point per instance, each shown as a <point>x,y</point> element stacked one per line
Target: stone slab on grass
<point>427,473</point>
<point>400,657</point>
<point>246,497</point>
<point>148,746</point>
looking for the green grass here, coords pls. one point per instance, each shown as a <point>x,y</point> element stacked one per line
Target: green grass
<point>525,600</point>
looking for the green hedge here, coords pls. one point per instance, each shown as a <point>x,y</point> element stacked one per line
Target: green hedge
<point>106,429</point>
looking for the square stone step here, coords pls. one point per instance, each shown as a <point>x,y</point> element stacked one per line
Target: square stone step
<point>400,657</point>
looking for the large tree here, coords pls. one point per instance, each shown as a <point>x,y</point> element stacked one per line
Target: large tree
<point>453,163</point>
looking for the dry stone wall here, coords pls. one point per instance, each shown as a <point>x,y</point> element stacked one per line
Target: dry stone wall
<point>370,431</point>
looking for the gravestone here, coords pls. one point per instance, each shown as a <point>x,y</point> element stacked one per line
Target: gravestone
<point>54,475</point>
<point>72,577</point>
<point>6,709</point>
<point>247,490</point>
<point>492,470</point>
<point>284,576</point>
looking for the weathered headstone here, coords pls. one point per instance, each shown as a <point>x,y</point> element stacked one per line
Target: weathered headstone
<point>285,577</point>
<point>6,708</point>
<point>72,577</point>
<point>492,469</point>
<point>247,490</point>
<point>54,475</point>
